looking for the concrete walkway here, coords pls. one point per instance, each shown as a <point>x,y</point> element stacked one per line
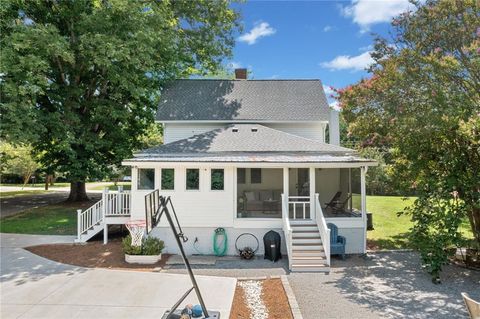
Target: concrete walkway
<point>34,287</point>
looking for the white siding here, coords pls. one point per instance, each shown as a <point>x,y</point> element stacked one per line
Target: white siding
<point>313,131</point>
<point>202,208</point>
<point>177,131</point>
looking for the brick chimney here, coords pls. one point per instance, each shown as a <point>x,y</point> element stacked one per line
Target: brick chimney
<point>240,74</point>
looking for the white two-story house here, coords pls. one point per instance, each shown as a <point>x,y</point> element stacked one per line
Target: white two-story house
<point>252,156</point>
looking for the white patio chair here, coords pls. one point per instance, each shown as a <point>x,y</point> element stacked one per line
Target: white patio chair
<point>472,306</point>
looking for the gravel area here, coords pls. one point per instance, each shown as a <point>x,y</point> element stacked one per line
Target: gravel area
<point>253,298</point>
<point>384,285</point>
<point>381,285</point>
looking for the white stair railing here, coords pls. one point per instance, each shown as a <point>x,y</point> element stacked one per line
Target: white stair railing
<point>287,229</point>
<point>322,227</point>
<point>302,201</point>
<point>111,205</point>
<point>89,218</point>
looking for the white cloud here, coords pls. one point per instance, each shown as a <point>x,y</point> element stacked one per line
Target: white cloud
<point>260,30</point>
<point>327,28</point>
<point>346,62</point>
<point>328,90</point>
<point>335,105</point>
<point>235,65</point>
<point>368,12</point>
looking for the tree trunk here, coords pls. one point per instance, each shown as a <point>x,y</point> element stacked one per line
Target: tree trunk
<point>474,218</point>
<point>78,192</point>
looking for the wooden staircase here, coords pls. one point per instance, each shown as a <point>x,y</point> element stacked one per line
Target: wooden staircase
<point>308,253</point>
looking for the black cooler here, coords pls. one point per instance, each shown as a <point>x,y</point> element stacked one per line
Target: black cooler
<point>272,241</point>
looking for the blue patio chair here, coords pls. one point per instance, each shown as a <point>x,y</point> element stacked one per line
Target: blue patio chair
<point>337,242</point>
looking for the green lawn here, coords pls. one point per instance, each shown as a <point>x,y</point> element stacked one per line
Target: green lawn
<point>112,187</point>
<point>390,230</point>
<point>11,194</point>
<point>38,185</point>
<point>59,219</point>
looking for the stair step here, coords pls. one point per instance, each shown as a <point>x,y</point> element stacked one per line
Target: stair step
<point>305,259</point>
<point>308,253</point>
<point>306,236</point>
<point>310,268</point>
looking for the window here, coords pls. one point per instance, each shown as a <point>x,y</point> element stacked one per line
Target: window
<point>146,178</point>
<point>217,179</point>
<point>193,179</point>
<point>168,179</point>
<point>241,175</point>
<point>256,175</point>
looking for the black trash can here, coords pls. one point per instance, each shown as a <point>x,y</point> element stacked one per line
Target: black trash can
<point>272,242</point>
<point>370,221</point>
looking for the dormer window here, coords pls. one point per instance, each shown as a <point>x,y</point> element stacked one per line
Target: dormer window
<point>254,130</point>
<point>234,130</point>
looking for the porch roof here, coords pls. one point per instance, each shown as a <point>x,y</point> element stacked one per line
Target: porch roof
<point>248,143</point>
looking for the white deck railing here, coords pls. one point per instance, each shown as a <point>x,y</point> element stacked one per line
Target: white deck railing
<point>302,202</point>
<point>287,229</point>
<point>89,218</point>
<point>111,205</point>
<point>117,204</point>
<point>322,227</point>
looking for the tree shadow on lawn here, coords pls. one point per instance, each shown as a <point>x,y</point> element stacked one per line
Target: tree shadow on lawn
<point>394,284</point>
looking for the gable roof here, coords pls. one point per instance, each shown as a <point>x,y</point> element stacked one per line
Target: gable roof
<point>243,100</point>
<point>247,143</point>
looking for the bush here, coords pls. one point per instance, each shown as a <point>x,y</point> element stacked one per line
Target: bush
<point>150,246</point>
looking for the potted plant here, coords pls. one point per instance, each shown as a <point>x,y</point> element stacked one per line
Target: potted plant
<point>149,252</point>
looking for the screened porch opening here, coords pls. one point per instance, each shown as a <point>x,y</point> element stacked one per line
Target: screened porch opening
<point>259,192</point>
<point>339,191</point>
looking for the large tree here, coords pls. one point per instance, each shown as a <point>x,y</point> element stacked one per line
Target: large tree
<point>423,103</point>
<point>81,79</point>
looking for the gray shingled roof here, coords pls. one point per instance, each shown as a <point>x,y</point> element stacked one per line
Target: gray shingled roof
<point>256,100</point>
<point>248,143</point>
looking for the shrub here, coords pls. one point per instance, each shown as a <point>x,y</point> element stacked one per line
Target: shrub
<point>150,246</point>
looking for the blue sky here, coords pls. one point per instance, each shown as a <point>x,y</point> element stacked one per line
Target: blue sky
<point>328,40</point>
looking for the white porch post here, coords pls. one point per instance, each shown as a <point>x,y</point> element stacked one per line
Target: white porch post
<point>105,210</point>
<point>286,186</point>
<point>311,182</point>
<point>363,172</point>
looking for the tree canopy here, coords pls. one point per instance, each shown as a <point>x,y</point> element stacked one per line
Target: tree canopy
<point>81,79</point>
<point>423,103</point>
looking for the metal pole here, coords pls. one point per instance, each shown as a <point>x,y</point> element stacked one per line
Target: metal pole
<point>177,236</point>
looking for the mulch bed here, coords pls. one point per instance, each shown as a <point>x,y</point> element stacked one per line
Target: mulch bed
<point>93,255</point>
<point>274,298</point>
<point>239,306</point>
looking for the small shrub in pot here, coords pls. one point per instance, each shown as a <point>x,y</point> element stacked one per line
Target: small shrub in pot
<point>150,246</point>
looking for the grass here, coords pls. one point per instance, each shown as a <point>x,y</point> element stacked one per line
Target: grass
<point>5,195</point>
<point>58,219</point>
<point>37,185</point>
<point>126,186</point>
<point>390,231</point>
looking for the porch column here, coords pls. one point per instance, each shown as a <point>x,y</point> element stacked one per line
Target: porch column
<point>311,182</point>
<point>286,186</point>
<point>363,193</point>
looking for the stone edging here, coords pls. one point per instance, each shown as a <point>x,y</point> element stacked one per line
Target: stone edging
<point>291,298</point>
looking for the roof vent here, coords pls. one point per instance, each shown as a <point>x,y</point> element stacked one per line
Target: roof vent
<point>254,130</point>
<point>235,130</point>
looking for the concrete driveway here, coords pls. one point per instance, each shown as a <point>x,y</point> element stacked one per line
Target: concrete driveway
<point>34,287</point>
